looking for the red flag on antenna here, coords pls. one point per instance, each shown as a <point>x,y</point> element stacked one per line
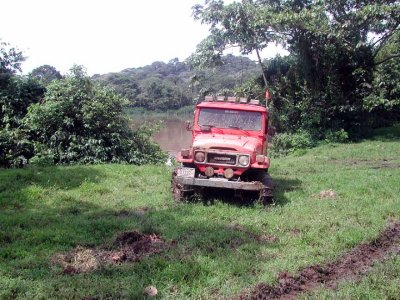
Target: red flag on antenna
<point>267,95</point>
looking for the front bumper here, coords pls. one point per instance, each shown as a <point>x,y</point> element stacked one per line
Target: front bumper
<point>220,183</point>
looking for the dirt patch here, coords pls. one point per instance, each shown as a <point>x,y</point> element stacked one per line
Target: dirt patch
<point>328,194</point>
<point>130,246</point>
<point>295,232</point>
<point>79,260</point>
<point>150,291</point>
<point>349,266</point>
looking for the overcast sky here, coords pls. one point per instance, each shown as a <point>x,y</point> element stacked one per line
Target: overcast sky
<point>103,35</point>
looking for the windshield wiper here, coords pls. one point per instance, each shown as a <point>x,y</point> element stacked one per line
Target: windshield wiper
<point>206,127</point>
<point>238,128</point>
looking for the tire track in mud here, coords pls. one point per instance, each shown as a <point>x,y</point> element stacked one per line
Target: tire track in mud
<point>350,266</point>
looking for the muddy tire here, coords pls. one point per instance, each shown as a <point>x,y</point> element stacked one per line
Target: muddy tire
<point>266,194</point>
<point>179,191</point>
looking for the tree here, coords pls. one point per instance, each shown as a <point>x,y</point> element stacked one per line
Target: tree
<point>46,74</point>
<point>10,62</point>
<point>384,99</point>
<point>233,25</point>
<point>10,58</point>
<point>17,93</point>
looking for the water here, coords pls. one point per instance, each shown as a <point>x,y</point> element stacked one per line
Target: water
<point>173,136</point>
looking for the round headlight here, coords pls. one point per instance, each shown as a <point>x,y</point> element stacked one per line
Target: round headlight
<point>209,171</point>
<point>228,173</point>
<point>199,156</point>
<point>243,160</point>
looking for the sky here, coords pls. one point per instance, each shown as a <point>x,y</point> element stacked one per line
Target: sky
<point>102,35</point>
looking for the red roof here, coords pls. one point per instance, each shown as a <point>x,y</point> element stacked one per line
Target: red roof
<point>229,105</point>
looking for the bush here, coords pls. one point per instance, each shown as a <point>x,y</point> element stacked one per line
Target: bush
<point>340,136</point>
<point>15,149</point>
<point>79,122</point>
<point>286,143</point>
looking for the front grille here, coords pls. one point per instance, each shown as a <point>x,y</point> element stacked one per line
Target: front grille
<point>221,159</point>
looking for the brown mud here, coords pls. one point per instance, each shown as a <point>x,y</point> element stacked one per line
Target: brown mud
<point>350,266</point>
<point>130,246</point>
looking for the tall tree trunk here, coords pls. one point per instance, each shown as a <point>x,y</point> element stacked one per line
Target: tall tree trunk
<point>262,67</point>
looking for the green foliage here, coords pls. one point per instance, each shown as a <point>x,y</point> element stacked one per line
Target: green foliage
<point>45,74</point>
<point>72,120</point>
<point>80,122</point>
<point>334,75</point>
<point>15,98</point>
<point>286,143</point>
<point>339,136</point>
<point>175,84</point>
<point>17,93</point>
<point>15,148</point>
<point>384,100</point>
<point>252,88</point>
<point>10,60</point>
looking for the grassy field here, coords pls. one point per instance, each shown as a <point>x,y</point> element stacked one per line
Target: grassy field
<point>215,250</point>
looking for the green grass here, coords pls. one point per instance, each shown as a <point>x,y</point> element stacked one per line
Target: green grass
<point>47,211</point>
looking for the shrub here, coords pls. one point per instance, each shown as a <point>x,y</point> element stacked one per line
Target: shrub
<point>15,149</point>
<point>286,143</point>
<point>80,122</point>
<point>340,136</point>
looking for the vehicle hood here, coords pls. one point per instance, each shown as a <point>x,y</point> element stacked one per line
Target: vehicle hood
<point>227,142</point>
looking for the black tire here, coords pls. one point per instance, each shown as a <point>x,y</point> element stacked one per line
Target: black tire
<point>179,191</point>
<point>266,194</point>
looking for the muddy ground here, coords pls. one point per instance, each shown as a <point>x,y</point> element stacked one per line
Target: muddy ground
<point>350,266</point>
<point>130,246</point>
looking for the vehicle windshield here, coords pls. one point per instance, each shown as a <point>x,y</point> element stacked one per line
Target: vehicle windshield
<point>229,118</point>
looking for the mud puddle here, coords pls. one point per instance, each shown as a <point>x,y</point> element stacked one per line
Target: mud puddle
<point>350,266</point>
<point>130,246</point>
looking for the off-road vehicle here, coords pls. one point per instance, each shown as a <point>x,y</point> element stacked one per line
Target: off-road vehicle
<point>228,151</point>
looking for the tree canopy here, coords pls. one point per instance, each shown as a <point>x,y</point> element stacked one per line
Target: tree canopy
<point>46,74</point>
<point>175,84</point>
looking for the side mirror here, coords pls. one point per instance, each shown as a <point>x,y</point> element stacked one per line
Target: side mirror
<point>188,126</point>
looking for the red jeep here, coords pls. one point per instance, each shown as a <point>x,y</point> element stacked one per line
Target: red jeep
<point>228,151</point>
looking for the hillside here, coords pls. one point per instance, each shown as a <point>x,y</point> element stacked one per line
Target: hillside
<point>174,84</point>
<point>110,231</point>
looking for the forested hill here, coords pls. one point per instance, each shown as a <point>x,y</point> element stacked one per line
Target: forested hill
<point>174,84</point>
